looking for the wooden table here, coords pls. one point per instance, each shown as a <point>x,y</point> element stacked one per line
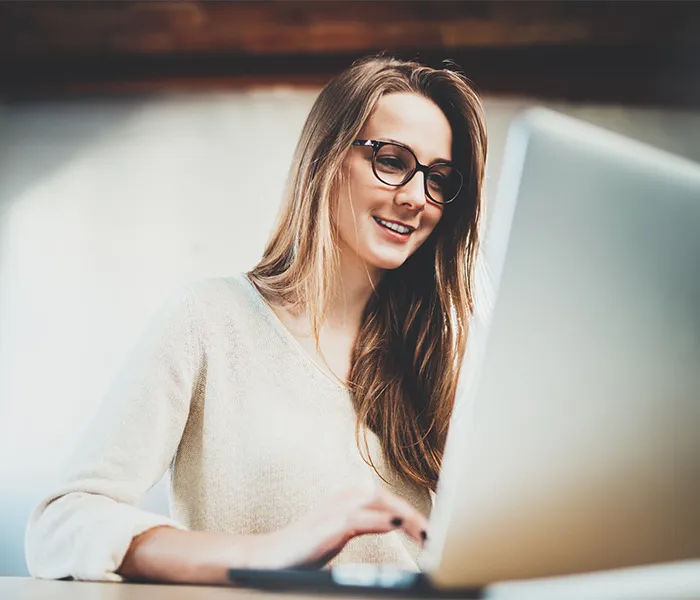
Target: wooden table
<point>680,581</point>
<point>24,588</point>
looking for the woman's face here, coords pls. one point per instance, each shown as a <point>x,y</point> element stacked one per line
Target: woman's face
<point>365,202</point>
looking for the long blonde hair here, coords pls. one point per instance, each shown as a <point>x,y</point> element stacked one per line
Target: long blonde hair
<point>410,346</point>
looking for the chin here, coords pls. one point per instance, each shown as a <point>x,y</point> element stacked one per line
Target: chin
<point>386,261</point>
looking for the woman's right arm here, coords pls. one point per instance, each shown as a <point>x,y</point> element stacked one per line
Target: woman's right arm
<point>166,554</point>
<point>85,527</point>
<point>172,555</point>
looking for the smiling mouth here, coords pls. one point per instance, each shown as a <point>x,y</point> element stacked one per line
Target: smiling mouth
<point>395,227</point>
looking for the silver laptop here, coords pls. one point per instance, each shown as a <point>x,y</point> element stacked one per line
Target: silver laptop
<point>575,443</point>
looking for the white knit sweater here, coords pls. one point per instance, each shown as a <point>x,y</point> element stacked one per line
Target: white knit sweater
<point>253,432</point>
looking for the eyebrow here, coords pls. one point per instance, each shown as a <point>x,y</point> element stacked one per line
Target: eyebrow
<point>437,160</point>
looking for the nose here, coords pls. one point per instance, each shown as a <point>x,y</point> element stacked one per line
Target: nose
<point>412,193</point>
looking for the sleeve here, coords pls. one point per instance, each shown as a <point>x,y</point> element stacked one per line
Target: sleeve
<point>84,528</point>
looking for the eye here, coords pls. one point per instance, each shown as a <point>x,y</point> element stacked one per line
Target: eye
<point>390,163</point>
<point>393,161</point>
<point>437,181</point>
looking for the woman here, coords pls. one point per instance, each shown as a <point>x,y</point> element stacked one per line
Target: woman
<point>302,408</point>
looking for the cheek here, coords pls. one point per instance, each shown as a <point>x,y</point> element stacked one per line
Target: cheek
<point>433,216</point>
<point>364,190</point>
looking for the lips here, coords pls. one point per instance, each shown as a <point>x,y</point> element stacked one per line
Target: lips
<point>395,226</point>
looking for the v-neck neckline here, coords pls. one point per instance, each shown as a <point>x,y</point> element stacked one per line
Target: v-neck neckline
<point>284,331</point>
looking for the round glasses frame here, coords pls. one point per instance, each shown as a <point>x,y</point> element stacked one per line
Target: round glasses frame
<point>376,145</point>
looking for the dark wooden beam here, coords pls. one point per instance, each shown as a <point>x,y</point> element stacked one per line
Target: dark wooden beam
<point>617,51</point>
<point>293,27</point>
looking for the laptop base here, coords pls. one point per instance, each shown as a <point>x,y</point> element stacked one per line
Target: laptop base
<point>370,580</point>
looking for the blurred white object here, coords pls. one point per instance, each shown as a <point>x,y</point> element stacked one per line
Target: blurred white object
<point>677,581</point>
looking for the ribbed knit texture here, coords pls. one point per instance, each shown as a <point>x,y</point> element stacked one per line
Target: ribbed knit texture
<point>254,432</point>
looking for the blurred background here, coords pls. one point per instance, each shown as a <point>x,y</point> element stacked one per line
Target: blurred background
<point>144,144</point>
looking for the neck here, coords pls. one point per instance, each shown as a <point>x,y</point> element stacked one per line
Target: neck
<point>353,289</point>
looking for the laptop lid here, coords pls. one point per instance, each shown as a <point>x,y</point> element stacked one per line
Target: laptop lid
<point>575,443</point>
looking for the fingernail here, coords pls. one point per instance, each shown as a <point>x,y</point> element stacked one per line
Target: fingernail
<point>423,535</point>
<point>397,521</point>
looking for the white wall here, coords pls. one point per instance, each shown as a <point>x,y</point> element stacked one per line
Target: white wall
<point>106,206</point>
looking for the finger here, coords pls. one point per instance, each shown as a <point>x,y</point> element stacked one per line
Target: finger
<point>366,521</point>
<point>356,523</point>
<point>354,501</point>
<point>413,522</point>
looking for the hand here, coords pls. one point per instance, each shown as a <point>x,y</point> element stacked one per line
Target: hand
<point>318,537</point>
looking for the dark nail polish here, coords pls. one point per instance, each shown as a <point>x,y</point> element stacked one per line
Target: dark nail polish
<point>397,522</point>
<point>423,535</point>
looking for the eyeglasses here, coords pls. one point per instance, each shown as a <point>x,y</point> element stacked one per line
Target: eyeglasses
<point>395,165</point>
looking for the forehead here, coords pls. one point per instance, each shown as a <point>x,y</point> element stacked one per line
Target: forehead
<point>412,120</point>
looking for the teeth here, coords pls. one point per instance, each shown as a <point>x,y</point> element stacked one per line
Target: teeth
<point>394,226</point>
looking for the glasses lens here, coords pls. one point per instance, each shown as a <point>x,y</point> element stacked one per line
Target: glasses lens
<point>393,164</point>
<point>444,183</point>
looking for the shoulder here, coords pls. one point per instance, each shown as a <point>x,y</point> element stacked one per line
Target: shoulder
<point>229,300</point>
<point>214,291</point>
